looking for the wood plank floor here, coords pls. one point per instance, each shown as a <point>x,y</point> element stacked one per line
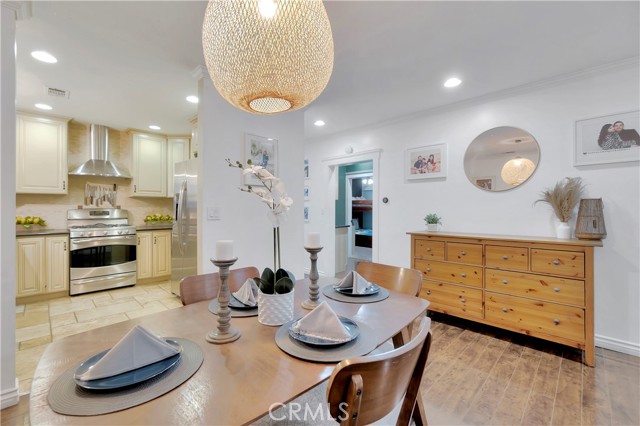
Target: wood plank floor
<point>480,375</point>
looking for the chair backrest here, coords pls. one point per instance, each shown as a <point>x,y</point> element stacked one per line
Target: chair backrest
<point>403,280</point>
<point>363,390</point>
<point>206,286</point>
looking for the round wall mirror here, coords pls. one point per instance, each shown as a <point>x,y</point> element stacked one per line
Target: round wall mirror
<point>501,158</point>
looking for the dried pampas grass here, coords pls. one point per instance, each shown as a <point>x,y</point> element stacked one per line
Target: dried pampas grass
<point>564,197</point>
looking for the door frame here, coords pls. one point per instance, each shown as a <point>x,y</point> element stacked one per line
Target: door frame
<point>348,182</point>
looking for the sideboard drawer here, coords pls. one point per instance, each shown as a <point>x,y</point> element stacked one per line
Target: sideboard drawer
<point>558,262</point>
<point>464,253</point>
<point>429,249</point>
<point>535,317</point>
<point>504,257</point>
<point>452,299</point>
<point>450,272</point>
<point>553,289</point>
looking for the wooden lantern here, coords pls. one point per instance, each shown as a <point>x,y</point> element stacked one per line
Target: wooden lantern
<point>590,223</point>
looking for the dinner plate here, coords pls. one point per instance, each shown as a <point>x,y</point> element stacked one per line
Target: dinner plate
<point>234,303</point>
<point>350,325</point>
<point>128,378</point>
<point>348,291</point>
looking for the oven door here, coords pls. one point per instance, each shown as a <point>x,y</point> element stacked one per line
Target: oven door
<point>102,256</point>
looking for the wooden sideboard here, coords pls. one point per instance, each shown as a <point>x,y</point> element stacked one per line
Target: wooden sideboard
<point>538,286</point>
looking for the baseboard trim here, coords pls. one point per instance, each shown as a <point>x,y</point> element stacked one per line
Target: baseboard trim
<point>10,397</point>
<point>618,345</point>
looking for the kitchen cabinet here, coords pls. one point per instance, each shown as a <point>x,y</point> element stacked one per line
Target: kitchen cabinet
<point>535,286</point>
<point>177,151</point>
<point>149,168</point>
<point>153,254</point>
<point>42,265</point>
<point>41,154</point>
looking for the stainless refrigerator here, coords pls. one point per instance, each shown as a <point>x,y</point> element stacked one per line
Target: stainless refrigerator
<point>184,243</point>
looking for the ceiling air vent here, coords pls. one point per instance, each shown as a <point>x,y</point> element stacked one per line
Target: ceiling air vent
<point>57,93</point>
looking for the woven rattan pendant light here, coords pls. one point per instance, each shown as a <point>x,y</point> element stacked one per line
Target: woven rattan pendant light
<point>268,56</point>
<point>517,170</point>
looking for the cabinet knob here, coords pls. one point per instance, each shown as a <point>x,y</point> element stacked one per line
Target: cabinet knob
<point>505,282</point>
<point>428,292</point>
<point>505,310</point>
<point>64,184</point>
<point>428,269</point>
<point>155,240</point>
<point>556,289</point>
<point>135,188</point>
<point>463,275</point>
<point>505,257</point>
<point>428,248</point>
<point>138,240</point>
<point>462,253</point>
<point>556,321</point>
<point>556,262</point>
<point>64,246</point>
<point>462,299</point>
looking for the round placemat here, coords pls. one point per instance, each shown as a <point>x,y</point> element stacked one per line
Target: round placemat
<point>214,307</point>
<point>365,343</point>
<point>65,397</point>
<point>341,297</point>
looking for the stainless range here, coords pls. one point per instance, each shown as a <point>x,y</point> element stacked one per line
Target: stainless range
<point>103,250</point>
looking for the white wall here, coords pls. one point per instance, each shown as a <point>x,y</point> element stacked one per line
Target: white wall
<point>243,217</point>
<point>8,382</point>
<point>548,113</point>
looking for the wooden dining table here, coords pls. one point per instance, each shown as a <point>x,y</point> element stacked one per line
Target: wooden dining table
<point>237,383</point>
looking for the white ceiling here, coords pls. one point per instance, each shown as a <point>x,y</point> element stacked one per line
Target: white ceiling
<point>129,64</point>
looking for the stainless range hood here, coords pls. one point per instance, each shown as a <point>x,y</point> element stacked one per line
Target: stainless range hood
<point>99,164</point>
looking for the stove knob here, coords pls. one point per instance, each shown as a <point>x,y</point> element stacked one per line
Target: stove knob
<point>120,232</point>
<point>125,232</point>
<point>82,234</point>
<point>105,232</point>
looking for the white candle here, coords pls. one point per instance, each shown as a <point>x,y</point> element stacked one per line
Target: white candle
<point>312,240</point>
<point>224,250</point>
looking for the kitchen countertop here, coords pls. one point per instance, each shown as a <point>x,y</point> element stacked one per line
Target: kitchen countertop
<point>33,231</point>
<point>154,227</point>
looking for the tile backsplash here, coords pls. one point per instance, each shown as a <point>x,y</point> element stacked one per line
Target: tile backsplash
<point>53,208</point>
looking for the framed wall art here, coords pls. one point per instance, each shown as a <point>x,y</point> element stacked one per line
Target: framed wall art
<point>485,182</point>
<point>306,213</point>
<point>306,168</point>
<point>306,192</point>
<point>262,152</point>
<point>607,139</point>
<point>426,162</point>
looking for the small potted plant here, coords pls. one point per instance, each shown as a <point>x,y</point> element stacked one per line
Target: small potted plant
<point>563,198</point>
<point>432,221</point>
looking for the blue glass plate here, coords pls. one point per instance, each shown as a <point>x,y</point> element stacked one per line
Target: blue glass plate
<point>348,291</point>
<point>350,325</point>
<point>130,377</point>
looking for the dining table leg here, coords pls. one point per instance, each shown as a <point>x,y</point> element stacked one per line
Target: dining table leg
<point>419,414</point>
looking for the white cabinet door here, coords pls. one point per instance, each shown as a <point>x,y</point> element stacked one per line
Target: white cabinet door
<point>30,266</point>
<point>177,150</point>
<point>144,255</point>
<point>57,264</point>
<point>149,166</point>
<point>161,253</point>
<point>41,155</point>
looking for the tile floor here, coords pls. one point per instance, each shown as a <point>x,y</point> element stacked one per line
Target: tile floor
<point>40,323</point>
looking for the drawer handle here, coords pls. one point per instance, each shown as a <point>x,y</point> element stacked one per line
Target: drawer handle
<point>505,282</point>
<point>505,257</point>
<point>556,289</point>
<point>556,262</point>
<point>556,321</point>
<point>505,310</point>
<point>428,248</point>
<point>462,253</point>
<point>428,269</point>
<point>463,300</point>
<point>463,275</point>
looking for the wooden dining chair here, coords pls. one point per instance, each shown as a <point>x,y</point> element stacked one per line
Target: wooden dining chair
<point>366,389</point>
<point>206,286</point>
<point>402,280</point>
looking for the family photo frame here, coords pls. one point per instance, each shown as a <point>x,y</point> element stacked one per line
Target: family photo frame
<point>607,139</point>
<point>426,162</point>
<point>261,151</point>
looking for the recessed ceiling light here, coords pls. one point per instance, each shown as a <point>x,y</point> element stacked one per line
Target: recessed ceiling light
<point>43,56</point>
<point>192,99</point>
<point>44,106</point>
<point>154,127</point>
<point>452,82</point>
<point>319,123</point>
